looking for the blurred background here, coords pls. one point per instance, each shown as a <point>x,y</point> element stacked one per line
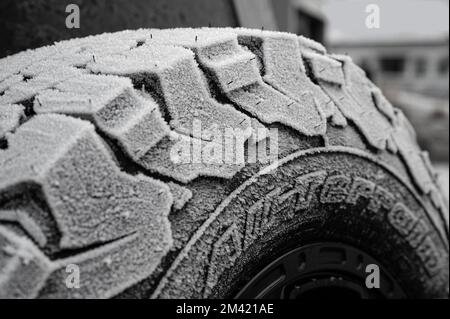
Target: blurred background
<point>407,56</point>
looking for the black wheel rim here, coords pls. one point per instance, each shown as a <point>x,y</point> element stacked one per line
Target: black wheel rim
<point>321,270</point>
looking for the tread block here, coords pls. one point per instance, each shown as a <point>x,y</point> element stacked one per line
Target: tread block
<point>237,65</point>
<point>227,77</point>
<point>92,202</point>
<point>188,102</point>
<point>284,68</point>
<point>179,83</point>
<point>325,68</point>
<point>114,267</point>
<point>10,116</point>
<point>89,197</point>
<point>113,105</point>
<point>353,98</point>
<point>360,88</point>
<point>365,93</point>
<point>360,117</point>
<point>23,268</point>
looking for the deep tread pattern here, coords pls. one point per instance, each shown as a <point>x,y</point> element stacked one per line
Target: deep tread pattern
<point>235,71</point>
<point>285,71</point>
<point>330,74</point>
<point>141,92</point>
<point>181,89</point>
<point>113,105</point>
<point>179,81</point>
<point>89,203</point>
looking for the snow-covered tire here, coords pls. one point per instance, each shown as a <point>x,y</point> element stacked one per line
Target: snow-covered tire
<point>88,178</point>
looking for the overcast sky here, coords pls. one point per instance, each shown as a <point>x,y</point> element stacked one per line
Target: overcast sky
<point>399,19</point>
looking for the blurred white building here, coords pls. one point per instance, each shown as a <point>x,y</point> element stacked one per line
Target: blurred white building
<point>416,65</point>
<point>408,52</point>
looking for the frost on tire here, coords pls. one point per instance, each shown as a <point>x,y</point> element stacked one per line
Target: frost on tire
<point>341,86</point>
<point>235,72</point>
<point>184,101</point>
<point>173,75</point>
<point>72,113</point>
<point>91,201</point>
<point>113,105</point>
<point>284,69</point>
